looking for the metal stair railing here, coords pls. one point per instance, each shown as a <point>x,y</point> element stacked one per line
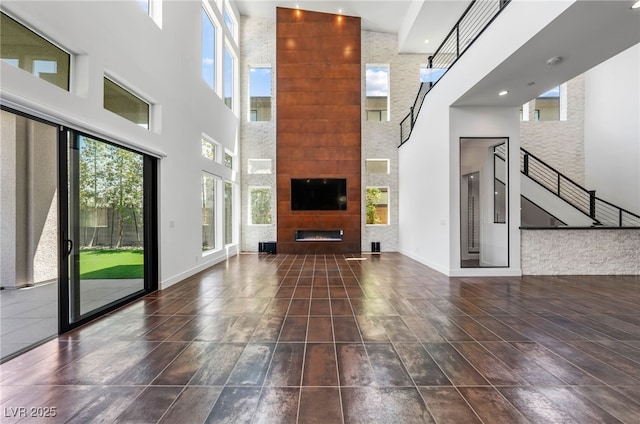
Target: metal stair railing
<point>475,19</point>
<point>602,212</point>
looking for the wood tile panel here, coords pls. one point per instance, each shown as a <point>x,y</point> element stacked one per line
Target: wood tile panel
<point>318,122</point>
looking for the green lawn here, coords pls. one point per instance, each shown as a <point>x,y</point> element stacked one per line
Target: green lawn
<point>111,264</point>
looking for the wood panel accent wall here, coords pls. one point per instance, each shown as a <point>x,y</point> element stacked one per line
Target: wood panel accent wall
<point>318,122</point>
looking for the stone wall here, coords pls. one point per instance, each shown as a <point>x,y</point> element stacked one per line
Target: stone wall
<point>257,139</point>
<point>380,139</point>
<point>559,143</point>
<point>580,252</point>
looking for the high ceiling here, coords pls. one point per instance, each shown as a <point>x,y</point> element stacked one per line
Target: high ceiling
<point>589,32</point>
<point>413,21</point>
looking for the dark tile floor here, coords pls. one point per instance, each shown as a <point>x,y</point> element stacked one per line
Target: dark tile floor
<point>324,339</point>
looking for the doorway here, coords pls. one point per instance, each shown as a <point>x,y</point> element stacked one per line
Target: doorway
<point>484,202</point>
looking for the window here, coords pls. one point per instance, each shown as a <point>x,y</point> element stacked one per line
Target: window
<point>208,50</point>
<point>228,213</point>
<point>127,105</point>
<point>228,20</point>
<point>25,49</point>
<point>208,212</point>
<point>259,166</point>
<point>228,160</point>
<point>377,206</point>
<point>145,5</point>
<point>547,106</point>
<point>228,78</point>
<point>377,92</point>
<point>377,166</point>
<point>209,149</point>
<point>260,94</point>
<point>431,75</point>
<point>260,204</point>
<point>153,8</point>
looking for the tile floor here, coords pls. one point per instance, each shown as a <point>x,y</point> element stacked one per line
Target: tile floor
<point>322,339</point>
<point>30,315</point>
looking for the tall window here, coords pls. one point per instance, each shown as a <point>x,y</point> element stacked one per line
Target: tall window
<point>208,194</point>
<point>209,149</point>
<point>21,47</point>
<point>208,50</point>
<point>124,103</point>
<point>260,94</point>
<point>377,205</point>
<point>547,106</point>
<point>228,20</point>
<point>228,160</point>
<point>260,204</point>
<point>228,213</point>
<point>228,78</point>
<point>377,91</point>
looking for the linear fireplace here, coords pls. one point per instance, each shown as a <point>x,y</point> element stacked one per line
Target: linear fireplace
<point>319,235</point>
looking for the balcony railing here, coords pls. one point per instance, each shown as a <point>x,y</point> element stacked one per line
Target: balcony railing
<point>478,15</point>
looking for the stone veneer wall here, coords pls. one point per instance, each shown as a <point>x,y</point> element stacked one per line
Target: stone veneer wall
<point>559,143</point>
<point>380,139</point>
<point>257,139</point>
<point>580,252</point>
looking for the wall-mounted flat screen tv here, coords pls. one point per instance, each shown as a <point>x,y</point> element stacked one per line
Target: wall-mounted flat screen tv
<point>318,194</point>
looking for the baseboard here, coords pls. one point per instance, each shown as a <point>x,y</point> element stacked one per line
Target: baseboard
<point>225,254</point>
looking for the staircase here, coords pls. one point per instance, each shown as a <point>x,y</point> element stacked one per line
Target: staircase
<point>474,20</point>
<point>563,198</point>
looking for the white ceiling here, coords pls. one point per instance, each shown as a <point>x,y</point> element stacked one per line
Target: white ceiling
<point>413,20</point>
<point>585,35</point>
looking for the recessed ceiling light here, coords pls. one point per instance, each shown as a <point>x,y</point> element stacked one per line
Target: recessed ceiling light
<point>503,93</point>
<point>340,11</point>
<point>426,41</point>
<point>636,5</point>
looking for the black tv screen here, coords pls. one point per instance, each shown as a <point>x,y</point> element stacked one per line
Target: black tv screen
<point>318,194</point>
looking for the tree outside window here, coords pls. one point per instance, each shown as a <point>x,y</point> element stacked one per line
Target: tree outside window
<point>260,206</point>
<point>377,206</point>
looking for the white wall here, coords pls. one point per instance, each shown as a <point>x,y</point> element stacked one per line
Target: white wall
<point>429,170</point>
<point>612,129</point>
<point>162,66</point>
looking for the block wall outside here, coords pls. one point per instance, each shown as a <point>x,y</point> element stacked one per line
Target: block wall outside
<point>580,252</point>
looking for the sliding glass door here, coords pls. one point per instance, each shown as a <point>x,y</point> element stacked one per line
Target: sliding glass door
<point>79,229</point>
<point>29,226</point>
<point>109,234</point>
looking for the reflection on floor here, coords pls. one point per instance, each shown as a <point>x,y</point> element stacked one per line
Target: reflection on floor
<point>30,315</point>
<point>27,316</point>
<point>318,339</point>
<point>97,293</point>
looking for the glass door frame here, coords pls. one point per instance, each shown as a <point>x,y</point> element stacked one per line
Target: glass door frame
<point>506,141</point>
<point>68,318</point>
